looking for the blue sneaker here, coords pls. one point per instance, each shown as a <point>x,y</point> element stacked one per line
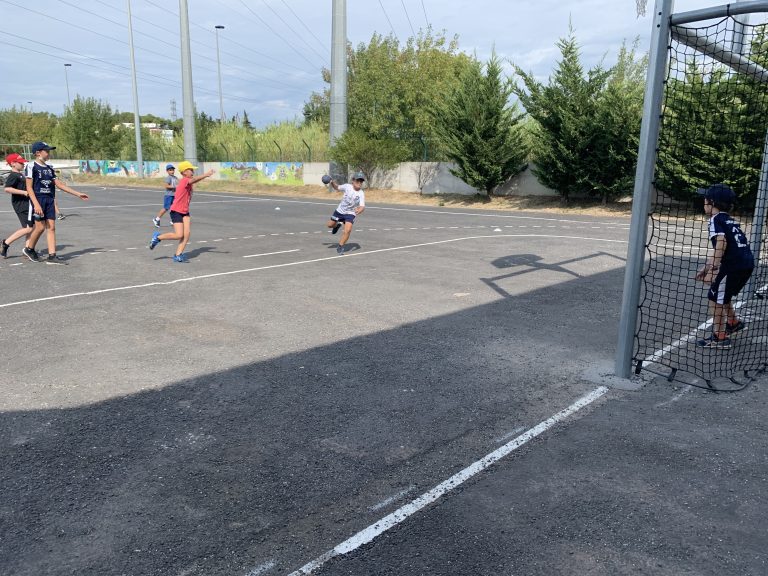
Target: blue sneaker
<point>155,240</point>
<point>184,257</point>
<point>340,250</point>
<point>179,258</point>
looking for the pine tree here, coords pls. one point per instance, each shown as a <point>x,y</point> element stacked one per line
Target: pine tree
<point>481,132</point>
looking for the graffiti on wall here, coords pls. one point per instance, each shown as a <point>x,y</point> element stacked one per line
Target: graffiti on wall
<point>283,173</point>
<point>123,168</point>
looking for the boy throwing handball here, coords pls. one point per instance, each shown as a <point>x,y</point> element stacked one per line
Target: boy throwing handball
<point>352,204</point>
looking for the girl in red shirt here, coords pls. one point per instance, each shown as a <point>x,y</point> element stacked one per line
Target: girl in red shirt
<point>182,222</point>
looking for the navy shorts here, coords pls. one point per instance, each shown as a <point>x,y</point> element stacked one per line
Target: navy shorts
<point>178,217</point>
<point>339,217</point>
<point>727,284</point>
<point>167,201</point>
<point>23,212</point>
<point>46,202</point>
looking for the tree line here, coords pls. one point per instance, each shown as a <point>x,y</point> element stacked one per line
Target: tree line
<point>427,100</point>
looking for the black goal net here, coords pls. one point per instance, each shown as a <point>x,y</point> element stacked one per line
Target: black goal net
<point>714,127</point>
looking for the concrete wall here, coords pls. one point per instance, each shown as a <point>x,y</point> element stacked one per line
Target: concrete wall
<point>432,177</point>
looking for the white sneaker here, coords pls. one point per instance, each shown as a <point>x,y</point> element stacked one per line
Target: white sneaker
<point>156,222</point>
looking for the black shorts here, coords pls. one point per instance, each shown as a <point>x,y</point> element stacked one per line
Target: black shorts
<point>23,210</point>
<point>727,284</point>
<point>339,217</point>
<point>178,217</point>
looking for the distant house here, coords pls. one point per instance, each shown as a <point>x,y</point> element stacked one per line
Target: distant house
<point>154,129</point>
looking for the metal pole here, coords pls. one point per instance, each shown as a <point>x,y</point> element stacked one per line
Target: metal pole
<point>218,65</point>
<point>66,82</point>
<point>338,76</point>
<point>136,115</point>
<point>641,199</point>
<point>190,141</point>
<point>761,209</point>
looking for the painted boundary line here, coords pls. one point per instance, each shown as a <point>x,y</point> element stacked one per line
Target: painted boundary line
<point>368,534</point>
<point>298,263</point>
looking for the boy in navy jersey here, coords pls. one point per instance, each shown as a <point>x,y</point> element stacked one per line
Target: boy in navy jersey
<point>731,264</point>
<point>41,188</point>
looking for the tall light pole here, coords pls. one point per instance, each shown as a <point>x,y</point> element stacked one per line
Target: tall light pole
<point>190,140</point>
<point>338,77</point>
<point>218,62</point>
<point>66,82</point>
<point>136,115</point>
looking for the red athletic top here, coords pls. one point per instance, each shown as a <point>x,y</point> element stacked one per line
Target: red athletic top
<point>183,196</point>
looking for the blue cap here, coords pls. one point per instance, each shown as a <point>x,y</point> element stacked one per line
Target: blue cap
<point>358,176</point>
<point>37,146</point>
<point>170,167</point>
<point>719,193</point>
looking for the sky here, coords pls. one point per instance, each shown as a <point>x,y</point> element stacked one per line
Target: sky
<point>272,51</point>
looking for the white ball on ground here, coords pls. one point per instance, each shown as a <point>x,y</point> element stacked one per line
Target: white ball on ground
<point>277,207</point>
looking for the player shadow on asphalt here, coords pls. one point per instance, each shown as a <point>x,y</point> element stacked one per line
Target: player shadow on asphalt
<point>196,252</point>
<point>70,255</point>
<point>348,247</point>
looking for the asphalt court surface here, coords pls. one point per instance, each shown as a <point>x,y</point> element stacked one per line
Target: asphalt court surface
<point>248,412</point>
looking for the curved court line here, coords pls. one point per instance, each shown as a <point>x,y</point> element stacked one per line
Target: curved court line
<point>334,201</point>
<point>377,528</point>
<point>298,263</point>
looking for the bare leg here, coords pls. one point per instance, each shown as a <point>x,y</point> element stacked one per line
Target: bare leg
<point>345,235</point>
<point>51,236</point>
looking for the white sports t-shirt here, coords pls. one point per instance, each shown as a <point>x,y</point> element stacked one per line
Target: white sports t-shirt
<point>352,199</point>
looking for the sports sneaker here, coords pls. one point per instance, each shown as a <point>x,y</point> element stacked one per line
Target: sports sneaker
<point>31,254</point>
<point>4,249</point>
<point>736,328</point>
<point>60,216</point>
<point>54,259</point>
<point>156,222</point>
<point>336,228</point>
<point>155,240</point>
<point>340,250</point>
<point>180,258</point>
<point>713,341</point>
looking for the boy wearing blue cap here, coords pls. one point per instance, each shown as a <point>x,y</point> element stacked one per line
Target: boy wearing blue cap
<point>171,181</point>
<point>729,267</point>
<point>41,189</point>
<point>352,204</point>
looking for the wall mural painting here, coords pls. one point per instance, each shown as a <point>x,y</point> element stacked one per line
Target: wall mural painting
<point>119,168</point>
<point>282,173</point>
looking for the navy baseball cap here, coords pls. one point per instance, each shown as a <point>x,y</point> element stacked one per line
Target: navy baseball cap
<point>719,193</point>
<point>170,167</point>
<point>37,146</point>
<point>358,176</point>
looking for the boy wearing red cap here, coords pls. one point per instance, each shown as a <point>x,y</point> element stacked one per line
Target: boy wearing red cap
<point>41,187</point>
<point>16,186</point>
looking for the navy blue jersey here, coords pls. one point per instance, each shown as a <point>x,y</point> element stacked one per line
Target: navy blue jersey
<point>738,255</point>
<point>43,178</point>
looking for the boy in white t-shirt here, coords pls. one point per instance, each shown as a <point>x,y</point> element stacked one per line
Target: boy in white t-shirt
<point>352,204</point>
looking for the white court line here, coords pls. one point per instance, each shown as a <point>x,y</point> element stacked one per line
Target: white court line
<point>335,202</point>
<point>271,253</point>
<point>346,256</point>
<point>377,528</point>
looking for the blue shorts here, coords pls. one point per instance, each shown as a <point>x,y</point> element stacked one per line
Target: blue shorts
<point>167,201</point>
<point>49,208</point>
<point>339,217</point>
<point>727,284</point>
<point>178,217</point>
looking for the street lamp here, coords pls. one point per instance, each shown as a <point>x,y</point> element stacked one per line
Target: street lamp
<point>66,81</point>
<point>218,62</point>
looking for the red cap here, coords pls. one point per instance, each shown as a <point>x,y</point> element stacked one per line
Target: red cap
<point>15,158</point>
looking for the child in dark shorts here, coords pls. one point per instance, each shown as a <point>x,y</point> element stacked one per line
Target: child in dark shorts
<point>16,186</point>
<point>728,268</point>
<point>180,218</point>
